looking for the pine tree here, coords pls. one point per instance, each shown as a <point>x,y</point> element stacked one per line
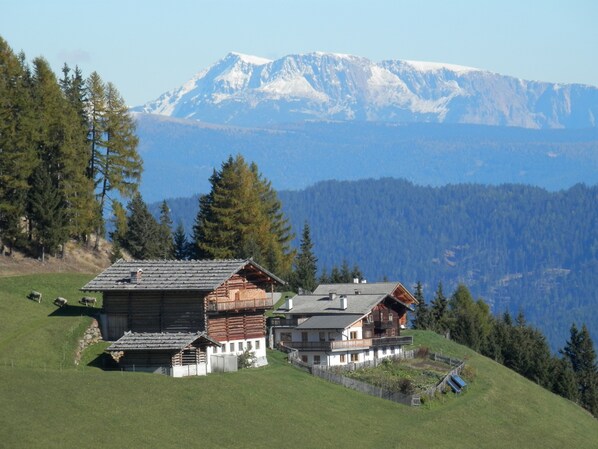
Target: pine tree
<point>180,243</point>
<point>241,217</point>
<point>165,233</point>
<point>60,144</point>
<point>17,153</point>
<point>470,321</point>
<point>47,213</point>
<point>422,312</point>
<point>306,262</point>
<point>141,239</point>
<point>439,311</point>
<point>564,382</point>
<point>580,352</point>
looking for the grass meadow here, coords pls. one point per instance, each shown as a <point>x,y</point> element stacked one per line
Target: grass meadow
<point>48,402</point>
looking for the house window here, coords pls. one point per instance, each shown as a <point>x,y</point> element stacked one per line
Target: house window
<point>304,336</point>
<point>389,317</point>
<point>384,350</point>
<point>353,335</point>
<point>240,346</point>
<point>249,346</point>
<point>331,336</point>
<point>322,336</point>
<point>355,357</point>
<point>224,347</point>
<point>367,354</point>
<point>316,359</point>
<point>343,359</point>
<point>231,347</point>
<point>367,334</point>
<point>257,344</point>
<point>304,358</point>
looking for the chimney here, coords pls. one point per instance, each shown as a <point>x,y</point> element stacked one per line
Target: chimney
<point>343,302</point>
<point>364,281</point>
<point>290,304</point>
<point>356,280</point>
<point>332,296</point>
<point>136,276</point>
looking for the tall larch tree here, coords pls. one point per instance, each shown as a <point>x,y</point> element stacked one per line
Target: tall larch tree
<point>60,145</point>
<point>18,156</point>
<point>241,217</point>
<point>114,162</point>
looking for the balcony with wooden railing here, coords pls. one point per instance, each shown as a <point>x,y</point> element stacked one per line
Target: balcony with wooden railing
<point>239,304</point>
<point>283,322</point>
<point>347,345</point>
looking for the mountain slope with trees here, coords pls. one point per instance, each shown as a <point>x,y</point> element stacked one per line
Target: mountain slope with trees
<point>518,247</point>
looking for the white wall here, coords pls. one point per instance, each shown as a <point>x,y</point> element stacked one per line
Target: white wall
<point>257,346</point>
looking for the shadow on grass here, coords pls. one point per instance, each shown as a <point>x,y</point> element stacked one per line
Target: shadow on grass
<point>104,362</point>
<point>70,310</point>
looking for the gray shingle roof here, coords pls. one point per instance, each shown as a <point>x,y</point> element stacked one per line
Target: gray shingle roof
<point>318,304</point>
<point>329,322</point>
<point>158,341</point>
<point>372,288</point>
<point>197,275</point>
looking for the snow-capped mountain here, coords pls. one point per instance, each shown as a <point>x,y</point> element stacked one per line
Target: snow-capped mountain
<point>251,91</point>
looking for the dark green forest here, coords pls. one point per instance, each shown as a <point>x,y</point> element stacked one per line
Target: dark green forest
<point>518,247</point>
<point>67,147</point>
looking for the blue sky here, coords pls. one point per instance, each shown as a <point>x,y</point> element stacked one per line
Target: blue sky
<point>148,47</point>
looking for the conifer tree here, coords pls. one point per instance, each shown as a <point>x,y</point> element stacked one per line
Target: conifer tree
<point>181,245</point>
<point>18,157</point>
<point>306,262</point>
<point>47,213</point>
<point>422,312</point>
<point>165,233</point>
<point>241,217</point>
<point>141,239</point>
<point>580,352</point>
<point>439,311</point>
<point>60,144</point>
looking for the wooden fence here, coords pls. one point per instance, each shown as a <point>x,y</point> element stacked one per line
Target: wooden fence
<point>334,374</point>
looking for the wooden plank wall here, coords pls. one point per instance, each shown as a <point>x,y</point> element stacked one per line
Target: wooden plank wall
<point>237,326</point>
<point>153,312</point>
<point>237,288</point>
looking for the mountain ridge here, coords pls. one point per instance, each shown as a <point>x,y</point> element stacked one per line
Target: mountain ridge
<point>248,90</point>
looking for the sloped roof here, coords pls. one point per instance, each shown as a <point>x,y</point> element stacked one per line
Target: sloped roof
<point>131,341</point>
<point>370,288</point>
<point>329,321</point>
<point>318,304</point>
<point>198,275</point>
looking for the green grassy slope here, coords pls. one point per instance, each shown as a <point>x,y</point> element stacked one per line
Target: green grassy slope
<point>274,406</point>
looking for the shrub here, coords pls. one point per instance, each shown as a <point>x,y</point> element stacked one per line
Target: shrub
<point>406,386</point>
<point>246,360</point>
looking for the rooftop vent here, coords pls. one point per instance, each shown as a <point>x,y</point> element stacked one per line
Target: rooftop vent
<point>343,300</point>
<point>290,304</point>
<point>356,280</point>
<point>136,276</point>
<point>332,296</point>
<point>364,281</point>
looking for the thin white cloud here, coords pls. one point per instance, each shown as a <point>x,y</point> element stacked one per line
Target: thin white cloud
<point>75,56</point>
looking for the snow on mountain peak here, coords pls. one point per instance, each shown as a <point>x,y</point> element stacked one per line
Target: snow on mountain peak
<point>424,66</point>
<point>249,90</point>
<point>250,59</point>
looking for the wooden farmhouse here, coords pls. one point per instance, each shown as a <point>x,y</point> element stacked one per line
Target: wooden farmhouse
<point>345,323</point>
<point>174,317</point>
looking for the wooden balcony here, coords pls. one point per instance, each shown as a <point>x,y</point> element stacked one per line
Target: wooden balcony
<point>347,345</point>
<point>244,304</point>
<point>283,322</point>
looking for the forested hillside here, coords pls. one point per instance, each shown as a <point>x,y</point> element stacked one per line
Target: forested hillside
<point>519,247</point>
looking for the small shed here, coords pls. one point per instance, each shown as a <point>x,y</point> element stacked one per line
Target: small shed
<point>174,354</point>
